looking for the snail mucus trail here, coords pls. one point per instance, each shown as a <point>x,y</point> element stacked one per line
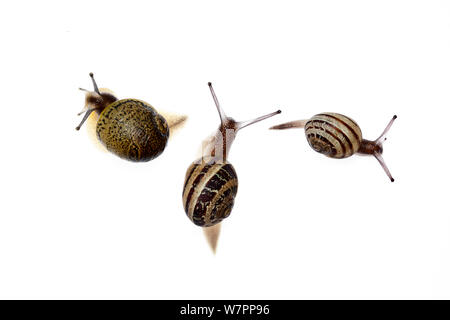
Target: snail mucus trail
<point>211,182</point>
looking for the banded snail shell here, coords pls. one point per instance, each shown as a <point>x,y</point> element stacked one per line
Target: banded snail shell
<point>209,191</point>
<point>333,134</point>
<point>133,130</point>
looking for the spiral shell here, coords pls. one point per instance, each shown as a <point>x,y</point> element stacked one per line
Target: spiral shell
<point>133,130</point>
<point>333,134</point>
<point>209,192</point>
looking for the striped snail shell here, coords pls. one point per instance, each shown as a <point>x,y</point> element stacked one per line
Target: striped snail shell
<point>333,134</point>
<point>209,192</point>
<point>211,182</point>
<point>338,136</point>
<point>130,128</point>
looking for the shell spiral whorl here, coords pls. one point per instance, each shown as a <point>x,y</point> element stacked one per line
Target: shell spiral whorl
<point>209,192</point>
<point>333,134</point>
<point>133,130</point>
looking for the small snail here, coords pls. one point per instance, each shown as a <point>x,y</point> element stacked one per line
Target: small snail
<point>338,136</point>
<point>211,182</point>
<point>129,128</point>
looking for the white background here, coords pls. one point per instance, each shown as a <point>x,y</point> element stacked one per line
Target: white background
<point>76,222</point>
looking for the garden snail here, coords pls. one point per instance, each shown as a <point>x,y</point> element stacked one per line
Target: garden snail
<point>130,128</point>
<point>211,182</point>
<point>338,136</point>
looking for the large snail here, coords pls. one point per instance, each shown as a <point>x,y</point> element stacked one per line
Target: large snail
<point>211,182</point>
<point>130,128</point>
<point>338,136</point>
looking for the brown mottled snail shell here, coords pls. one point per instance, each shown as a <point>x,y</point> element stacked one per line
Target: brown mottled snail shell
<point>130,128</point>
<point>209,192</point>
<point>133,130</point>
<point>338,136</point>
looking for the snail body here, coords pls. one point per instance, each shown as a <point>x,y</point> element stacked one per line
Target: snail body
<point>130,128</point>
<point>211,182</point>
<point>338,136</point>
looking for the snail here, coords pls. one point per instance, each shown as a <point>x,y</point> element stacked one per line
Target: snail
<point>130,128</point>
<point>338,136</point>
<point>211,183</point>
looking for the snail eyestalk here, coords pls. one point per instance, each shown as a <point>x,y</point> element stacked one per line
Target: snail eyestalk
<point>87,114</point>
<point>224,120</point>
<point>382,137</point>
<point>244,124</point>
<point>222,114</point>
<point>383,165</point>
<point>94,83</point>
